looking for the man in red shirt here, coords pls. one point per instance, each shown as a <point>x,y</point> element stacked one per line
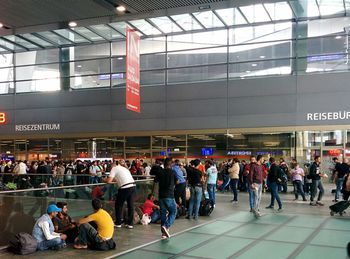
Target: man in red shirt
<point>151,209</point>
<point>255,180</point>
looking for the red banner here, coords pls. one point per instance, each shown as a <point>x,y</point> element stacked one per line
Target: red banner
<point>132,70</point>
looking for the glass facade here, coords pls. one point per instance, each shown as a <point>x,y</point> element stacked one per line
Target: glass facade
<point>303,145</point>
<point>270,39</point>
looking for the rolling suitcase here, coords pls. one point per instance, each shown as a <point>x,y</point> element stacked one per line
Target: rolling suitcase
<point>339,207</point>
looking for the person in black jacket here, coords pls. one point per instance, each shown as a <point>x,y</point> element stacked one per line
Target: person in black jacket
<point>194,181</point>
<point>316,175</point>
<point>273,184</point>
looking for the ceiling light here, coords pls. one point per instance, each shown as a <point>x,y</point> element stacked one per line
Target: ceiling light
<point>254,65</point>
<point>248,71</point>
<point>262,57</point>
<point>1,25</point>
<point>120,58</point>
<point>79,66</point>
<point>338,37</point>
<point>121,8</point>
<point>72,24</point>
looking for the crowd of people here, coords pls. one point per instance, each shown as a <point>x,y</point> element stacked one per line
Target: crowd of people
<point>181,187</point>
<point>52,173</point>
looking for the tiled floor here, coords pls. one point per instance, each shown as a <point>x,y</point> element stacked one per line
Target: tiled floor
<point>300,231</point>
<point>240,235</point>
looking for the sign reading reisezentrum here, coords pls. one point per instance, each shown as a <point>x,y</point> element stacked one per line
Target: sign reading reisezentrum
<point>325,116</point>
<point>38,127</point>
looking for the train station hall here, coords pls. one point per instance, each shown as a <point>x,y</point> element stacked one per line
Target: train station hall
<point>175,129</point>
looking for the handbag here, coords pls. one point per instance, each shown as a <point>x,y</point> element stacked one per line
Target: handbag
<point>145,219</point>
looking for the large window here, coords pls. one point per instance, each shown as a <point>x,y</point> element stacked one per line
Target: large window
<point>198,48</point>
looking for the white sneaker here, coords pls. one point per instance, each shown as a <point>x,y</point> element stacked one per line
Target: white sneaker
<point>129,226</point>
<point>117,226</point>
<point>165,231</point>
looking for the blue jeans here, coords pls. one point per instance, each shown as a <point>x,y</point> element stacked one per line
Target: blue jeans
<point>298,189</point>
<point>257,196</point>
<point>167,205</point>
<point>49,244</point>
<point>233,186</point>
<point>251,196</point>
<point>195,201</point>
<point>155,216</point>
<point>274,195</point>
<point>339,187</point>
<point>226,182</point>
<point>211,190</point>
<point>316,184</point>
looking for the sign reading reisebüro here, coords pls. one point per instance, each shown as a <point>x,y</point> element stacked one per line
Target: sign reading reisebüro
<point>327,116</point>
<point>38,127</point>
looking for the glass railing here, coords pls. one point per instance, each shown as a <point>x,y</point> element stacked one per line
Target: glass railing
<point>20,208</point>
<point>29,181</point>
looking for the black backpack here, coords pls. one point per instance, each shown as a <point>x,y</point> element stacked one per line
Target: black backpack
<point>206,208</point>
<point>282,177</point>
<point>23,244</point>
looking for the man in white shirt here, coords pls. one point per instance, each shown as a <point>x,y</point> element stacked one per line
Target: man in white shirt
<point>126,192</point>
<point>43,231</point>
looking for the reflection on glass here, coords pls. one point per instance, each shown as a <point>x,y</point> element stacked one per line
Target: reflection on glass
<point>90,81</point>
<point>71,36</point>
<point>44,85</point>
<point>119,26</point>
<point>197,40</point>
<point>255,13</point>
<point>152,45</point>
<point>328,7</point>
<point>137,147</point>
<point>6,74</point>
<point>165,24</point>
<point>89,52</point>
<point>333,138</point>
<point>208,19</point>
<point>8,45</point>
<point>20,41</point>
<point>54,38</point>
<point>197,74</point>
<point>270,50</point>
<point>260,68</point>
<point>37,40</point>
<point>89,67</point>
<point>145,27</point>
<point>106,32</point>
<point>186,21</point>
<point>88,34</point>
<point>279,11</point>
<point>231,16</point>
<point>261,33</point>
<point>305,8</point>
<point>197,57</point>
<point>7,88</point>
<point>37,57</point>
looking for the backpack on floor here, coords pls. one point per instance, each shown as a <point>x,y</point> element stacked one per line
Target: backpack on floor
<point>206,207</point>
<point>23,244</point>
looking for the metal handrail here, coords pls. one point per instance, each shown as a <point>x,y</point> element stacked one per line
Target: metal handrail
<point>66,187</point>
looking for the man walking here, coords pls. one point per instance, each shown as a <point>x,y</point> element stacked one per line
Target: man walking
<point>316,175</point>
<point>255,179</point>
<point>166,178</point>
<point>273,184</point>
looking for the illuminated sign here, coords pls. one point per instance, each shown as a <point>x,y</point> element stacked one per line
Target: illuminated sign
<point>334,152</point>
<point>2,117</point>
<point>327,116</point>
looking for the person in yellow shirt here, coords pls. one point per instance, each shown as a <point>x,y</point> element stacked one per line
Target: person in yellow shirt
<point>100,238</point>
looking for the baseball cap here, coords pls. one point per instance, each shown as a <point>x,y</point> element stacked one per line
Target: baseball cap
<point>53,208</point>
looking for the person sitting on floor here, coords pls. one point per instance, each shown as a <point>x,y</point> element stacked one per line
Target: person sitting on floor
<point>63,223</point>
<point>100,239</point>
<point>43,231</point>
<point>151,209</point>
